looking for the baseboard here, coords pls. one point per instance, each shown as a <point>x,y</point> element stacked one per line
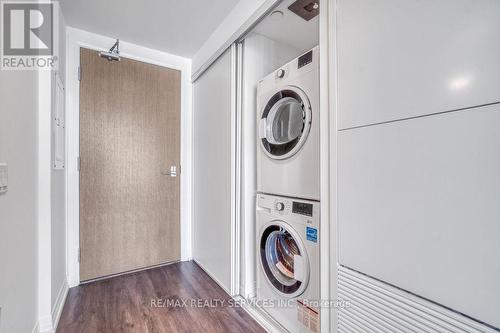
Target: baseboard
<point>138,270</point>
<point>45,325</point>
<point>59,304</point>
<point>260,316</point>
<point>49,324</point>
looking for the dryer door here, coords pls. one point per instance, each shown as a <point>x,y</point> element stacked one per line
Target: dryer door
<point>284,259</point>
<point>285,123</point>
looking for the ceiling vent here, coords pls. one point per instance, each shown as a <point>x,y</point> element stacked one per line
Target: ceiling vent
<point>306,9</point>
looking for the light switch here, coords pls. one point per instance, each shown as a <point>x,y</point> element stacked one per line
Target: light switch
<point>4,178</point>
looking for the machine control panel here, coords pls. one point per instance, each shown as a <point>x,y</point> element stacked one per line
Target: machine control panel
<point>282,206</point>
<point>302,208</point>
<point>305,59</point>
<point>294,207</point>
<point>290,210</point>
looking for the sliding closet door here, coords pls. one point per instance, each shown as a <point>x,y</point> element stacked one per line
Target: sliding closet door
<point>212,170</point>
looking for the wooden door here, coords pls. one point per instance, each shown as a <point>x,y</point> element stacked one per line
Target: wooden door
<point>129,139</point>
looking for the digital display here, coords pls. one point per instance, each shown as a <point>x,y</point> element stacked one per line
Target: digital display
<point>305,59</point>
<point>302,208</point>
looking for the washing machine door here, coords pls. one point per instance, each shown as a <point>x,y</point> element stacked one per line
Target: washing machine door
<point>284,259</point>
<point>285,123</point>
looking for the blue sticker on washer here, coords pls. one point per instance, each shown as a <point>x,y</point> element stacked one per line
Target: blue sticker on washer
<point>312,234</point>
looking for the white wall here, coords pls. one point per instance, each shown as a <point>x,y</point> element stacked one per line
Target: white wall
<point>261,56</point>
<point>58,201</point>
<point>18,207</point>
<point>212,170</point>
<point>32,227</point>
<point>51,199</point>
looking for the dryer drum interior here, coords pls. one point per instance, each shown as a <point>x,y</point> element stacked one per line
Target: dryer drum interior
<point>279,250</point>
<point>286,119</point>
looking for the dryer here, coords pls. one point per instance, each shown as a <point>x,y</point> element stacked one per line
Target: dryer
<point>288,159</point>
<point>288,274</point>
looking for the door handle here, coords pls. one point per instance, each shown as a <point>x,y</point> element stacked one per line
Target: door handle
<point>171,173</point>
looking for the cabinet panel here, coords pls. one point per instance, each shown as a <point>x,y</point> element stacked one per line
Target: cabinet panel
<point>399,59</point>
<point>212,170</point>
<point>419,207</point>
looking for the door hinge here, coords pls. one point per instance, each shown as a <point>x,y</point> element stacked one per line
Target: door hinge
<point>78,163</point>
<point>79,73</point>
<point>79,255</point>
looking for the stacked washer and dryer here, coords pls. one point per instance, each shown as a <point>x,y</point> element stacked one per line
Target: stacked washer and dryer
<point>288,186</point>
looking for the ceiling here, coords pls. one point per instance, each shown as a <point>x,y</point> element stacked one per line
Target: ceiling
<point>290,29</point>
<point>177,27</point>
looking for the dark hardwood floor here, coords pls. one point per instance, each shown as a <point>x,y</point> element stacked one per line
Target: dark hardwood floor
<point>151,301</point>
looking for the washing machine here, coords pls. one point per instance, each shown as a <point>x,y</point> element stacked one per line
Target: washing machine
<point>288,277</point>
<point>288,153</point>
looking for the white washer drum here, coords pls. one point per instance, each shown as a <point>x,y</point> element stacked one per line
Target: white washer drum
<point>285,123</point>
<point>283,258</point>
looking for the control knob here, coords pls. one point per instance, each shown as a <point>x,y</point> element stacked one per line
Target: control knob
<point>280,73</point>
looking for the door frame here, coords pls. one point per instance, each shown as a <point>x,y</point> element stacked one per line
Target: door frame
<point>75,39</point>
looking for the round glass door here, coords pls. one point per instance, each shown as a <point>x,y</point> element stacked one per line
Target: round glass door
<point>283,259</point>
<point>285,123</point>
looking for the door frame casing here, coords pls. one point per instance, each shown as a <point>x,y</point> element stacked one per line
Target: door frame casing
<point>76,39</point>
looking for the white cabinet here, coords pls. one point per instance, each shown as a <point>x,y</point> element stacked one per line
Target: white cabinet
<point>212,170</point>
<point>405,58</point>
<point>419,207</point>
